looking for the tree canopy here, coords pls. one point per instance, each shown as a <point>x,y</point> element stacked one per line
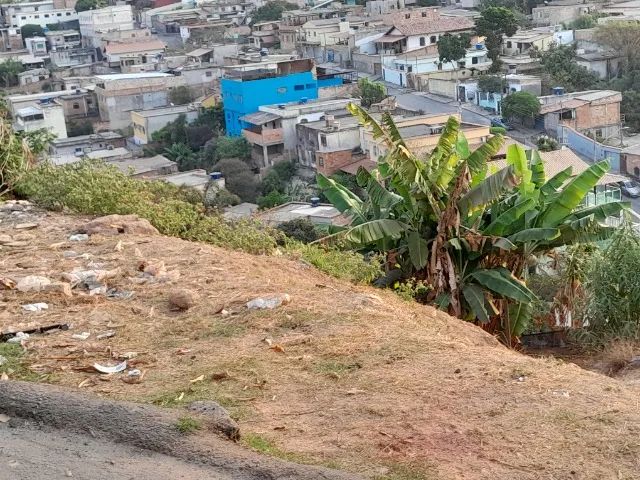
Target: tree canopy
<point>272,11</point>
<point>9,71</point>
<point>452,48</point>
<point>521,105</point>
<point>491,83</point>
<point>82,5</point>
<point>560,65</point>
<point>493,24</point>
<point>31,30</point>
<point>181,95</point>
<point>370,92</point>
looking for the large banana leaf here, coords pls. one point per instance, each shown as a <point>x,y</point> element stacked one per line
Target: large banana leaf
<point>341,197</point>
<point>500,225</point>
<point>379,196</point>
<point>488,190</point>
<point>477,161</point>
<point>582,230</point>
<point>474,295</point>
<point>573,194</point>
<point>375,230</point>
<point>418,250</point>
<point>537,168</point>
<point>519,318</point>
<point>600,212</point>
<point>503,282</point>
<point>555,182</point>
<point>517,157</point>
<point>535,235</point>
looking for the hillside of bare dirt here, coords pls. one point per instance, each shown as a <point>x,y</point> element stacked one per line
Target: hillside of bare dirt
<point>340,375</point>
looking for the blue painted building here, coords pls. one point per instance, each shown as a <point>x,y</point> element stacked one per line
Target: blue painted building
<point>246,87</point>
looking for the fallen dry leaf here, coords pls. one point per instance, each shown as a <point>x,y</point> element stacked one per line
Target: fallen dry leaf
<point>180,397</point>
<point>278,348</point>
<point>198,379</point>
<point>7,283</point>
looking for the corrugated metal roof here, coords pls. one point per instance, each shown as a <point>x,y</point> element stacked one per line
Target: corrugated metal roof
<point>259,118</point>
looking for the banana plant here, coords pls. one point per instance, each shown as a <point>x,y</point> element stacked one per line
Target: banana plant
<point>467,234</point>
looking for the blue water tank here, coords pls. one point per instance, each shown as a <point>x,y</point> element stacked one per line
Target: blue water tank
<point>215,175</point>
<point>558,90</point>
<point>315,201</point>
<point>479,46</point>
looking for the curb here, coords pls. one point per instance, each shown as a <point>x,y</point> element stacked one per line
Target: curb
<point>147,427</point>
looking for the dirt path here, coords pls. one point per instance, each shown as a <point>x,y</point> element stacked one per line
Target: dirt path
<point>30,453</point>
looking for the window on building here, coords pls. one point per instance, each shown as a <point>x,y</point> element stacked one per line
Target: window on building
<point>309,86</point>
<point>566,115</point>
<point>409,68</point>
<point>599,133</point>
<point>320,161</point>
<point>407,15</point>
<point>298,87</point>
<point>23,18</point>
<point>36,16</point>
<point>78,149</point>
<point>402,67</point>
<point>424,14</point>
<point>208,74</point>
<point>474,60</point>
<point>58,14</point>
<point>323,140</point>
<point>636,171</point>
<point>440,66</point>
<point>68,14</point>
<point>433,39</point>
<point>508,44</point>
<point>423,41</point>
<point>46,15</point>
<point>36,9</point>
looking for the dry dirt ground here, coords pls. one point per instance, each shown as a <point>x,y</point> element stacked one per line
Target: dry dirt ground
<point>345,376</point>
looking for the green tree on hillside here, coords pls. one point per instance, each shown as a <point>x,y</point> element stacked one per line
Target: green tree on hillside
<point>491,83</point>
<point>452,48</point>
<point>560,65</point>
<point>370,92</point>
<point>181,95</point>
<point>521,105</point>
<point>493,24</point>
<point>9,70</point>
<point>272,11</point>
<point>82,5</point>
<point>31,30</point>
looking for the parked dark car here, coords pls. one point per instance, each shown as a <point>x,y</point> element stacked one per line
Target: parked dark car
<point>630,188</point>
<point>501,123</point>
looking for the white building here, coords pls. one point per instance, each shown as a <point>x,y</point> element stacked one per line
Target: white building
<point>42,13</point>
<point>401,67</point>
<point>103,20</point>
<point>49,116</point>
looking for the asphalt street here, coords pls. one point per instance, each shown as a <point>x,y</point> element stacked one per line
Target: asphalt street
<point>27,453</point>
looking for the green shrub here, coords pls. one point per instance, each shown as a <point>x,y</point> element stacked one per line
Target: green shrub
<point>301,229</point>
<point>100,189</point>
<point>347,265</point>
<point>96,188</point>
<point>272,199</point>
<point>613,291</point>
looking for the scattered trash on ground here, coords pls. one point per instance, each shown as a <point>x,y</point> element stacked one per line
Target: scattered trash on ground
<point>35,307</point>
<point>269,302</point>
<point>107,334</point>
<point>197,379</point>
<point>81,336</point>
<point>111,368</point>
<point>18,338</point>
<point>7,336</point>
<point>4,418</point>
<point>133,376</point>
<point>120,294</point>
<point>79,237</point>
<point>33,283</point>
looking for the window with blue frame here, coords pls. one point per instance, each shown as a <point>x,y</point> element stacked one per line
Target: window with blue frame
<point>298,87</point>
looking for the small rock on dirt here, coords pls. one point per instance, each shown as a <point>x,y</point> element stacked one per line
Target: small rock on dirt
<point>33,283</point>
<point>182,299</point>
<point>119,224</point>
<point>219,417</point>
<point>26,226</point>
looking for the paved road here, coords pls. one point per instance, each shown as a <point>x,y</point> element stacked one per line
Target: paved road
<point>34,454</point>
